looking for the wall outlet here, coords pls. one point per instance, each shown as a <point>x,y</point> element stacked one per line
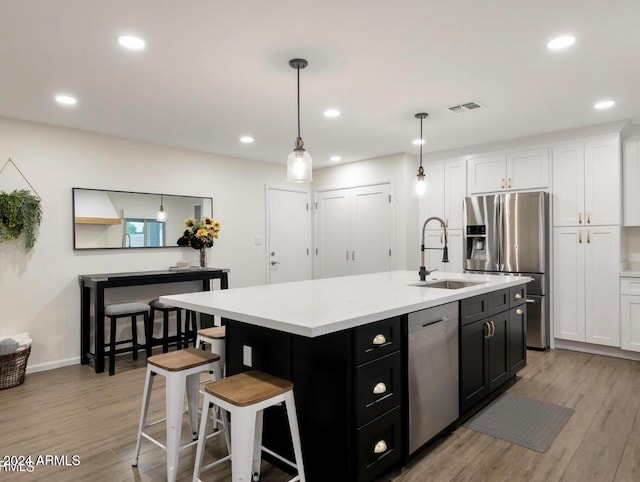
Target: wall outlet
<point>247,356</point>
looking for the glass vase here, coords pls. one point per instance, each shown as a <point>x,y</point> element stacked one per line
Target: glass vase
<point>203,258</point>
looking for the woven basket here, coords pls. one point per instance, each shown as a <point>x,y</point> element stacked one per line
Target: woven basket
<point>13,367</point>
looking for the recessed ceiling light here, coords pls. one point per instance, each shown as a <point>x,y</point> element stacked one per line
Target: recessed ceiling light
<point>246,139</point>
<point>604,104</point>
<point>331,113</point>
<point>417,142</point>
<point>66,99</point>
<point>561,42</point>
<point>336,158</point>
<point>131,42</point>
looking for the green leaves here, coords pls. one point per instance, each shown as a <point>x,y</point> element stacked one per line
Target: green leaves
<point>20,214</point>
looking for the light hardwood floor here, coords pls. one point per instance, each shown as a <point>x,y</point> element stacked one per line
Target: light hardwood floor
<point>72,411</point>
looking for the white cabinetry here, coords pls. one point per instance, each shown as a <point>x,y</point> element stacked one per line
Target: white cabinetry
<point>353,231</point>
<point>517,170</point>
<point>586,183</point>
<point>446,189</point>
<point>631,182</point>
<point>586,294</point>
<point>630,314</point>
<point>433,257</point>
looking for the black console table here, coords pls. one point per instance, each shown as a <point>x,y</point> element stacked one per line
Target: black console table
<point>99,282</point>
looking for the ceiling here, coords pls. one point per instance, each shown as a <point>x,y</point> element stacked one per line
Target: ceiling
<point>215,70</point>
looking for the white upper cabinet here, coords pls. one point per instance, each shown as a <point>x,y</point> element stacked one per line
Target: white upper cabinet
<point>586,183</point>
<point>631,182</point>
<point>446,189</point>
<point>517,170</point>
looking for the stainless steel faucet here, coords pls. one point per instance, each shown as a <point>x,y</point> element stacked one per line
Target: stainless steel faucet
<point>445,254</point>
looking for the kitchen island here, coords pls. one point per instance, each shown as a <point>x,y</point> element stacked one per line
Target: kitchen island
<point>341,339</point>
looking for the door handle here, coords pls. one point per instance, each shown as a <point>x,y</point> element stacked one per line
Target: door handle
<point>579,218</point>
<point>273,263</point>
<point>518,296</point>
<point>530,301</point>
<point>588,218</point>
<point>588,236</point>
<point>486,324</point>
<point>509,183</point>
<point>379,339</point>
<point>519,311</point>
<point>580,236</point>
<point>347,255</point>
<point>380,447</point>
<point>493,327</point>
<point>353,255</point>
<point>502,183</point>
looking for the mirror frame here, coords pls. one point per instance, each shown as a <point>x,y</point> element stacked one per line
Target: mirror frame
<point>111,221</point>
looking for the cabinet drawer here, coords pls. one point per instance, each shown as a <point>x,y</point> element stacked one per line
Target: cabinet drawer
<point>376,339</point>
<point>630,286</point>
<point>497,301</point>
<point>517,295</point>
<point>377,387</point>
<point>473,309</point>
<point>379,445</point>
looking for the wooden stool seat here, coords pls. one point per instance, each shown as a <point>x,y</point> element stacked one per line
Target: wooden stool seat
<point>248,388</point>
<point>215,332</point>
<point>116,311</point>
<point>176,361</point>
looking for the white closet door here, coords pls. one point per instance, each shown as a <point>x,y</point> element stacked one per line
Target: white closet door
<point>370,229</point>
<point>333,221</point>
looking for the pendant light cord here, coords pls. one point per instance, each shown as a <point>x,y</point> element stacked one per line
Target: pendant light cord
<point>421,142</point>
<point>298,69</point>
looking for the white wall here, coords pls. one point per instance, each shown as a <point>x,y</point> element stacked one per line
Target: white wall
<point>39,291</point>
<point>398,169</point>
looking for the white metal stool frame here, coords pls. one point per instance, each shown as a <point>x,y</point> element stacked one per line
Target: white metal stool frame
<point>217,346</point>
<point>246,457</point>
<point>176,383</point>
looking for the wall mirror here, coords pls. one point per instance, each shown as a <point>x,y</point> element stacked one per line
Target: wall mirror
<point>124,220</point>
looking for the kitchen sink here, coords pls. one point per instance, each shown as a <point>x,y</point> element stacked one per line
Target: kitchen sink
<point>446,284</point>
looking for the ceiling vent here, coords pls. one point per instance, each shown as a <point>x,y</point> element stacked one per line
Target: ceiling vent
<point>466,107</point>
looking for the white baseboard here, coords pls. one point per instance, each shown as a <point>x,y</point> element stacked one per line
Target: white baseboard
<point>597,349</point>
<point>51,365</point>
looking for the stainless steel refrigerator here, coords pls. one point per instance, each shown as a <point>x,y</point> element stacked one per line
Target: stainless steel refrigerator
<point>509,234</point>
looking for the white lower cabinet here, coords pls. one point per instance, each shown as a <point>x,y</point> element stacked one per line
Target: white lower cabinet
<point>586,284</point>
<point>433,257</point>
<point>630,314</point>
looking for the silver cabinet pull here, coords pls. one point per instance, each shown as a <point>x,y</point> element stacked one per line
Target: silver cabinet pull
<point>353,255</point>
<point>347,255</point>
<point>530,301</point>
<point>588,218</point>
<point>580,236</point>
<point>509,183</point>
<point>588,236</point>
<point>579,218</point>
<point>379,388</point>
<point>518,296</point>
<point>380,447</point>
<point>488,326</point>
<point>379,339</point>
<point>519,311</point>
<point>502,183</point>
<point>493,327</point>
<point>273,263</point>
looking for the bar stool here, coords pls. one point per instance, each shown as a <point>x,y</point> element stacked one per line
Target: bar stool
<point>215,336</point>
<point>165,309</point>
<point>123,310</point>
<point>181,370</point>
<point>244,397</point>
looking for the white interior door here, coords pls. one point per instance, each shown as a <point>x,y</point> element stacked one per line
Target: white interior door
<point>371,229</point>
<point>288,233</point>
<point>333,220</point>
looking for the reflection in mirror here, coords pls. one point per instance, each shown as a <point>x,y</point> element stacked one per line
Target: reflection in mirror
<point>118,219</point>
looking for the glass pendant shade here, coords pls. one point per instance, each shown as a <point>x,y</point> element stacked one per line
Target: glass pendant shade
<point>299,166</point>
<point>161,215</point>
<point>419,186</point>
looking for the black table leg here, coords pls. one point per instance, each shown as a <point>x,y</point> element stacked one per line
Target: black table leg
<point>85,323</point>
<point>99,322</point>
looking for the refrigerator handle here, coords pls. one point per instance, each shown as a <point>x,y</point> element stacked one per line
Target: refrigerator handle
<point>500,222</point>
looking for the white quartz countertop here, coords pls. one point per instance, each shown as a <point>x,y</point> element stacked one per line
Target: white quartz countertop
<point>318,307</point>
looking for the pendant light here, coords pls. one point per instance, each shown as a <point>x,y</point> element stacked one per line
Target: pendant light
<point>419,186</point>
<point>161,215</point>
<point>299,161</point>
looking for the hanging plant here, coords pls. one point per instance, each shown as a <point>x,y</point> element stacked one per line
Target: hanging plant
<point>20,214</point>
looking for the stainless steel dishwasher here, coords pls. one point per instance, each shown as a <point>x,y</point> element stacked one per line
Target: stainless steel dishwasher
<point>433,372</point>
